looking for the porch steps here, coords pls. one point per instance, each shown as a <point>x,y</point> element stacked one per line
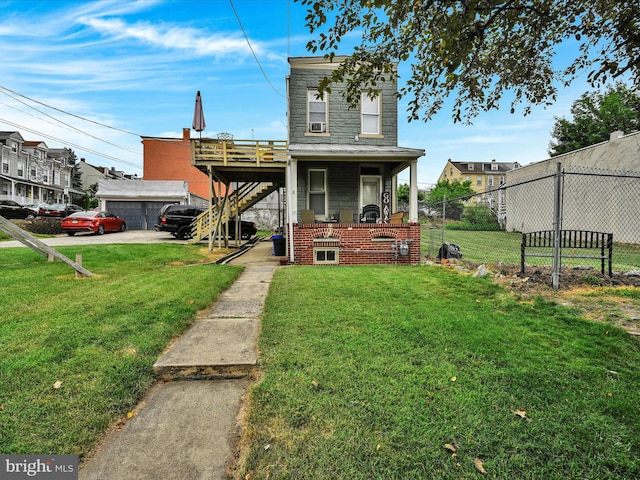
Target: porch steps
<point>247,196</point>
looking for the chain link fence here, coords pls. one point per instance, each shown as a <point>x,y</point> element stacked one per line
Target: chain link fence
<point>560,207</point>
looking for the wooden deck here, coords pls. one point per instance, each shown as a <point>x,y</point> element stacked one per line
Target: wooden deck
<point>239,153</point>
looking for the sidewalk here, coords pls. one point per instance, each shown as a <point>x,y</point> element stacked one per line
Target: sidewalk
<point>186,427</point>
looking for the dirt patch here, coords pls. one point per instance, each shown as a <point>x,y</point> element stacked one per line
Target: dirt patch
<point>595,296</point>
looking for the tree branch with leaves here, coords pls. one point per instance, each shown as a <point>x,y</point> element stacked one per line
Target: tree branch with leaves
<point>475,51</point>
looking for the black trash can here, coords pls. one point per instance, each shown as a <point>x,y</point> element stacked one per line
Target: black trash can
<point>279,247</point>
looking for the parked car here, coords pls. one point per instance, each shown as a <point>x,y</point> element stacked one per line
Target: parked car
<point>177,219</point>
<point>36,207</point>
<point>59,210</point>
<point>97,222</point>
<point>11,209</point>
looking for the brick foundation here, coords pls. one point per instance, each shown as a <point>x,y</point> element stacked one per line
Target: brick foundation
<point>358,243</point>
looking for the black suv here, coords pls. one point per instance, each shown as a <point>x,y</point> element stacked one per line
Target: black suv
<point>177,219</point>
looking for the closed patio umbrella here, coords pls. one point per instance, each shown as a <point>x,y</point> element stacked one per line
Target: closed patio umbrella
<point>198,117</point>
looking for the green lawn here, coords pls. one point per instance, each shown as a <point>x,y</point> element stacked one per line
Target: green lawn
<point>504,247</point>
<point>76,354</point>
<point>381,372</point>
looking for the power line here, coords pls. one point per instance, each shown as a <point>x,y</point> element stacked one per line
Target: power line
<point>253,53</point>
<point>79,147</point>
<point>69,113</point>
<point>61,122</point>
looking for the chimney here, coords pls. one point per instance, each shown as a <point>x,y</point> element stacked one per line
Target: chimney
<point>616,135</point>
<point>186,134</point>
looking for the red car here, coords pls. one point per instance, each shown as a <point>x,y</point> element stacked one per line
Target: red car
<point>97,222</point>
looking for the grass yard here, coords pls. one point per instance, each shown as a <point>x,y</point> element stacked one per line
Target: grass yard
<point>77,354</point>
<point>504,247</point>
<point>397,372</point>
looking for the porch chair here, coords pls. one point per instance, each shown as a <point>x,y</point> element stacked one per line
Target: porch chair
<point>397,218</point>
<point>346,216</point>
<point>370,213</point>
<point>307,216</point>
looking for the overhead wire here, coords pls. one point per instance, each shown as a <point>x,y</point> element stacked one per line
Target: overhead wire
<point>252,51</point>
<point>69,113</point>
<point>61,122</point>
<point>65,142</point>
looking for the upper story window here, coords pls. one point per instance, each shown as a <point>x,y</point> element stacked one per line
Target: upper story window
<point>470,166</point>
<point>494,166</point>
<point>45,175</point>
<point>21,169</point>
<point>316,112</point>
<point>5,165</point>
<point>479,180</point>
<point>370,114</point>
<point>14,147</point>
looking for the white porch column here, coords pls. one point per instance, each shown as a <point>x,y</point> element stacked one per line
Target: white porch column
<point>413,191</point>
<point>292,201</point>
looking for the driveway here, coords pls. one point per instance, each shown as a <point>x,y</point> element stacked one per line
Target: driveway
<point>132,236</point>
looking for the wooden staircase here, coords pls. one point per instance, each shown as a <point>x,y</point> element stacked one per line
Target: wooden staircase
<point>212,220</point>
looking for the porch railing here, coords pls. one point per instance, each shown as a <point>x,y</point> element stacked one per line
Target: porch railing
<point>225,152</point>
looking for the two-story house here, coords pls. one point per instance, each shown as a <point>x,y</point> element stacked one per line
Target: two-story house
<point>484,176</point>
<point>339,168</point>
<point>31,172</point>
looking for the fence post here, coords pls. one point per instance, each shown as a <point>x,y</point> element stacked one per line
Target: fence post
<point>444,203</point>
<point>557,225</point>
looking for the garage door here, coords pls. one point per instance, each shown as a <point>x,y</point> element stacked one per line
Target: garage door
<point>138,215</point>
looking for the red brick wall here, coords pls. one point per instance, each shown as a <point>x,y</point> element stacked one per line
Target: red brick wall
<point>357,242</point>
<point>170,159</point>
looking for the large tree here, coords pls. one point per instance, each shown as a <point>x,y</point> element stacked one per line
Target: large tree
<point>475,50</point>
<point>595,116</point>
<point>453,193</point>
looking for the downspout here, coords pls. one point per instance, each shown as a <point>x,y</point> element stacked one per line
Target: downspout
<point>289,180</point>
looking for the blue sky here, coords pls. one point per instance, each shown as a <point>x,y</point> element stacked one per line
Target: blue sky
<point>135,66</point>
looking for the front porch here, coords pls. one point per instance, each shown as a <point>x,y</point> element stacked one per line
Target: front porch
<point>340,200</point>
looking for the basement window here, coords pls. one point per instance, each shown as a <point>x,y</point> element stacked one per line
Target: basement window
<point>326,256</point>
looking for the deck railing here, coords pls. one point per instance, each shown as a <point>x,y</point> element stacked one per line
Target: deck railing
<point>226,152</point>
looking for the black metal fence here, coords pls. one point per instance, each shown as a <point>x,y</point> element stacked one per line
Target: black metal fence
<point>488,226</point>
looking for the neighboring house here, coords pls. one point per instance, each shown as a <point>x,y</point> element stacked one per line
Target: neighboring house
<point>90,174</point>
<point>170,159</point>
<point>140,201</point>
<point>31,172</point>
<point>340,170</point>
<point>600,190</point>
<point>484,176</point>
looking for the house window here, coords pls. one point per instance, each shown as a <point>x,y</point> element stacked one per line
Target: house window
<point>471,166</point>
<point>479,180</point>
<point>5,165</point>
<point>326,256</point>
<point>318,192</point>
<point>494,166</point>
<point>21,169</point>
<point>501,180</point>
<point>45,175</point>
<point>67,180</point>
<point>370,114</point>
<point>33,173</point>
<point>468,178</point>
<point>490,181</point>
<point>56,177</point>
<point>317,112</point>
<point>14,147</point>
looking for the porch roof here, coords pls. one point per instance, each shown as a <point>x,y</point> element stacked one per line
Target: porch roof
<point>348,151</point>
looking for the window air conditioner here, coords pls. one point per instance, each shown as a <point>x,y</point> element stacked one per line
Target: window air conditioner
<point>317,127</point>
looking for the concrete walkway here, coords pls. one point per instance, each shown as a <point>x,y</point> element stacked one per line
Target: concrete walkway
<point>186,427</point>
